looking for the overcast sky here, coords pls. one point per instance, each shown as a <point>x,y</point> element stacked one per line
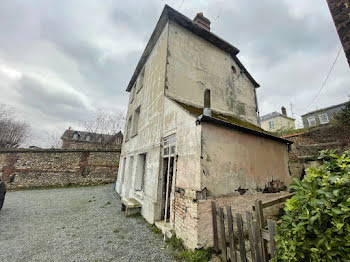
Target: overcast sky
<point>60,61</point>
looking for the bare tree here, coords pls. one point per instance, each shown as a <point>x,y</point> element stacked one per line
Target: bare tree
<point>12,132</point>
<point>105,122</point>
<point>54,138</point>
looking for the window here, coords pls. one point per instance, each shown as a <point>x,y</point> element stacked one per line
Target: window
<point>169,145</point>
<point>271,124</point>
<point>75,136</point>
<point>119,140</point>
<point>136,122</point>
<point>128,127</point>
<point>123,171</point>
<point>87,138</point>
<point>311,120</point>
<point>130,168</point>
<point>323,118</point>
<point>141,79</point>
<point>140,172</point>
<point>133,92</point>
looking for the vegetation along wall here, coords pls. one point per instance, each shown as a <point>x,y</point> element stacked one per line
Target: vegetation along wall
<point>27,168</point>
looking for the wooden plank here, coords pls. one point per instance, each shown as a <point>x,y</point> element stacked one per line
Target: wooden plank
<point>222,235</point>
<point>261,223</point>
<point>215,227</point>
<point>241,237</point>
<point>249,216</point>
<point>276,201</point>
<point>265,234</point>
<point>271,224</point>
<point>257,242</point>
<point>231,234</point>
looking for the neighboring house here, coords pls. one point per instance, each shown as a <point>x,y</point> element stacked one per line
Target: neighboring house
<point>178,156</point>
<point>73,139</point>
<point>322,116</point>
<point>340,11</point>
<point>277,121</point>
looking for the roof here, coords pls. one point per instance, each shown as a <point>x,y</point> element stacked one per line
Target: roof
<point>94,137</point>
<point>171,14</point>
<point>229,121</point>
<point>273,115</point>
<point>324,109</point>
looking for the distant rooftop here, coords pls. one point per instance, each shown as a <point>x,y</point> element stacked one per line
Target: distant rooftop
<point>81,136</point>
<point>325,108</point>
<point>273,115</point>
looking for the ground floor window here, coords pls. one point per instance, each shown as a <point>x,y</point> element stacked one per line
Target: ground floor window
<point>140,172</point>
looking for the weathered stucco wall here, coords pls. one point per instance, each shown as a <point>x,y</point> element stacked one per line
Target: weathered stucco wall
<point>150,99</point>
<point>23,168</point>
<point>237,162</point>
<point>194,65</point>
<point>279,122</point>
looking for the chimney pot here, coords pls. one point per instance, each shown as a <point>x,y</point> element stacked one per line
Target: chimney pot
<point>202,21</point>
<point>284,111</point>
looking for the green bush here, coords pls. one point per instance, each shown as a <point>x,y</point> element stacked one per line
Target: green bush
<point>316,226</point>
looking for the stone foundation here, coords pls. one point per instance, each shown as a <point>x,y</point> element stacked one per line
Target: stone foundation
<point>25,168</point>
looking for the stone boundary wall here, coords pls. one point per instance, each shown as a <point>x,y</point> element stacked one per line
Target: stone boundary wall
<point>36,168</point>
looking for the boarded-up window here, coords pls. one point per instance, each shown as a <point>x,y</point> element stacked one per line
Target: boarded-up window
<point>140,172</point>
<point>136,121</point>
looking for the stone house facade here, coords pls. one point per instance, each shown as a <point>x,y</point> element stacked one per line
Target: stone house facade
<point>73,139</point>
<point>175,159</point>
<point>322,116</point>
<point>277,121</point>
<point>340,11</point>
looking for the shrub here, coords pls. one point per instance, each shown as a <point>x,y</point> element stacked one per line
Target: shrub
<point>316,226</point>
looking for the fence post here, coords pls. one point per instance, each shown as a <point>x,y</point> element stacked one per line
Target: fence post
<point>253,251</point>
<point>257,242</point>
<point>223,235</point>
<point>261,223</point>
<point>231,234</point>
<point>241,237</point>
<point>215,227</point>
<point>271,224</point>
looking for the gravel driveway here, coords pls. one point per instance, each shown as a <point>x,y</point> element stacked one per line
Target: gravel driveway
<point>74,224</point>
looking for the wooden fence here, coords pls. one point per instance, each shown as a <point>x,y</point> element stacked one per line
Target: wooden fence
<point>247,239</point>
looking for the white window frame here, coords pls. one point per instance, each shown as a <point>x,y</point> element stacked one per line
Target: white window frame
<point>311,119</point>
<point>322,117</point>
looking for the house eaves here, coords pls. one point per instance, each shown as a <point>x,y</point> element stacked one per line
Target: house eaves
<point>215,121</point>
<point>170,14</point>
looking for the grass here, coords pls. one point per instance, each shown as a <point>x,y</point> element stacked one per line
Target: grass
<point>181,253</point>
<point>109,242</point>
<point>154,229</point>
<point>116,230</point>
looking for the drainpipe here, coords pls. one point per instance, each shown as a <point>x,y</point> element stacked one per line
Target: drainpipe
<point>206,109</point>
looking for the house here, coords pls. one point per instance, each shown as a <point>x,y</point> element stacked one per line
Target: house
<point>321,116</point>
<point>73,139</point>
<point>181,150</point>
<point>276,121</point>
<point>341,16</point>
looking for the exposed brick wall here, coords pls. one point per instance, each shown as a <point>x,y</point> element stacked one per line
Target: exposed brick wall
<point>340,10</point>
<point>23,168</point>
<point>193,217</point>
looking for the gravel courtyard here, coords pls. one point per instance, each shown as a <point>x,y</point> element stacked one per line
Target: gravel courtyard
<point>74,224</point>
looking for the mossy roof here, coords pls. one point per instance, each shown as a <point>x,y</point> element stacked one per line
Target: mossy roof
<point>234,121</point>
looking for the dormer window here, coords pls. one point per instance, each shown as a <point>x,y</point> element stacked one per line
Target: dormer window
<point>75,136</point>
<point>87,138</point>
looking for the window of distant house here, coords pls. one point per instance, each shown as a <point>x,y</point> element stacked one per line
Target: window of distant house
<point>128,127</point>
<point>135,126</point>
<point>119,141</point>
<point>87,138</point>
<point>311,120</point>
<point>141,80</point>
<point>140,172</point>
<point>133,92</point>
<point>75,136</point>
<point>323,118</point>
<point>271,125</point>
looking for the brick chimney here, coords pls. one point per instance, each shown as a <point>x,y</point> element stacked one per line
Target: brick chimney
<point>202,21</point>
<point>284,111</point>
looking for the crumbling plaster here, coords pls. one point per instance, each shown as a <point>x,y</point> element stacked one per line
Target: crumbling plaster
<point>194,64</point>
<point>234,160</point>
